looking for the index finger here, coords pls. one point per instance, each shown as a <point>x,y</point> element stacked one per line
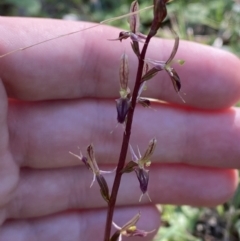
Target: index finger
<point>86,65</point>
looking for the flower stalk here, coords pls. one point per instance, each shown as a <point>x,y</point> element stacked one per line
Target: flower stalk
<point>125,106</point>
<point>125,142</point>
<point>159,15</point>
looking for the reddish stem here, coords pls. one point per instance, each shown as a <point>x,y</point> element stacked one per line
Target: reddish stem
<point>125,142</point>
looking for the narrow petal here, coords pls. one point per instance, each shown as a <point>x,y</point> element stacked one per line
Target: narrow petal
<point>145,68</point>
<point>129,230</point>
<point>146,193</point>
<point>143,87</point>
<point>134,156</point>
<point>129,167</point>
<point>131,222</point>
<point>103,187</point>
<point>93,180</point>
<point>124,72</point>
<point>122,35</point>
<point>83,159</point>
<point>148,153</point>
<point>108,172</point>
<point>175,48</point>
<point>150,74</point>
<point>91,159</point>
<point>138,232</point>
<point>135,48</point>
<point>141,36</point>
<point>136,38</point>
<point>116,226</point>
<point>175,79</point>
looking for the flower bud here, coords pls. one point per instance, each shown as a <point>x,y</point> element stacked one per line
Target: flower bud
<point>123,76</point>
<point>159,14</point>
<point>149,74</point>
<point>175,79</point>
<point>134,19</point>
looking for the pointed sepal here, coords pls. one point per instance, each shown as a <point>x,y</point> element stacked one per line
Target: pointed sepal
<point>135,48</point>
<point>123,76</point>
<point>144,102</point>
<point>129,167</point>
<point>149,74</point>
<point>134,21</point>
<point>103,187</point>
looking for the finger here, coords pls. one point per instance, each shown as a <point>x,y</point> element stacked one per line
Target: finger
<point>77,225</point>
<point>44,133</point>
<point>8,168</point>
<point>87,65</point>
<point>50,191</point>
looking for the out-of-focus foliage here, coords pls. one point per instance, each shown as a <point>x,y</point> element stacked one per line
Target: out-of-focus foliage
<point>178,222</point>
<point>184,223</point>
<point>214,22</point>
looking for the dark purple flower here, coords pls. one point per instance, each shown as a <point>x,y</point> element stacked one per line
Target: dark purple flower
<point>142,161</point>
<point>91,163</point>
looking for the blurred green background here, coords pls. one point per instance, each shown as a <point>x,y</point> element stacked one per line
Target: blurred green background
<point>216,23</point>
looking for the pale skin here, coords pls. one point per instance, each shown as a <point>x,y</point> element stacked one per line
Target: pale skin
<point>60,95</point>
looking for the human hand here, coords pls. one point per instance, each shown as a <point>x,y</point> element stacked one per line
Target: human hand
<point>61,95</point>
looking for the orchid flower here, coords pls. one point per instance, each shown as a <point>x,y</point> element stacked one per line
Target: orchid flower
<point>139,163</point>
<point>91,164</point>
<point>129,230</point>
<point>167,66</point>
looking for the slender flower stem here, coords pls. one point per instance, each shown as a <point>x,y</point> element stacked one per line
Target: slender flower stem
<point>125,142</point>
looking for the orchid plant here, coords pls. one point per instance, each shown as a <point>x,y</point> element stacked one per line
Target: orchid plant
<point>125,106</point>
